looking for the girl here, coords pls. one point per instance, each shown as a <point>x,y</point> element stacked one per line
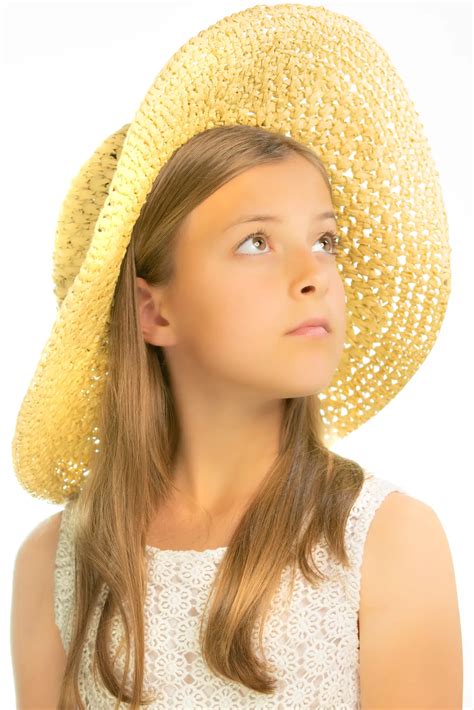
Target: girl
<point>213,551</point>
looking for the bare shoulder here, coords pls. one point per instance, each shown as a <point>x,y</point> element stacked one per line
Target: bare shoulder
<point>404,534</point>
<point>38,656</point>
<point>398,514</point>
<point>401,523</point>
<point>409,622</point>
<point>43,538</point>
<point>35,558</point>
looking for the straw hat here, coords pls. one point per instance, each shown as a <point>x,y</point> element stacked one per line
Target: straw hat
<point>304,71</point>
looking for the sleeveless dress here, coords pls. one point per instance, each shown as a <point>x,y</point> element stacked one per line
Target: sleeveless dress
<point>310,638</point>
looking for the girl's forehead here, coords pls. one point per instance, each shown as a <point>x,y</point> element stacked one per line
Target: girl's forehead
<point>264,192</point>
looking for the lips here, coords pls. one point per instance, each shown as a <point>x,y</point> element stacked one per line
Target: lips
<point>312,322</point>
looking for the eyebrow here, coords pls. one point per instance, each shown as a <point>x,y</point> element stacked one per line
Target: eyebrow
<point>273,218</point>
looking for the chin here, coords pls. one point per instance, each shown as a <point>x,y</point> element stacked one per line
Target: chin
<point>305,391</point>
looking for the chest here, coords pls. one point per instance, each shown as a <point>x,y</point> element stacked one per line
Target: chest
<point>172,530</point>
<point>309,639</point>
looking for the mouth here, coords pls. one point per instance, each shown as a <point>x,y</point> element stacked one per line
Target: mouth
<point>317,331</point>
<point>313,326</point>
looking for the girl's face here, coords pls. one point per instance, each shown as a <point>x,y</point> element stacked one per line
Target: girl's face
<point>236,294</point>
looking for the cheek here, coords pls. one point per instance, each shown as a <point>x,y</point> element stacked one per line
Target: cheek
<point>339,303</point>
<point>232,322</point>
<point>231,304</point>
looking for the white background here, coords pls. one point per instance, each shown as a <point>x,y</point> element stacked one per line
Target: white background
<point>72,73</point>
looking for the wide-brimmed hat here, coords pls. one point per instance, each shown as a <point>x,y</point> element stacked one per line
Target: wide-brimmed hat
<point>309,73</point>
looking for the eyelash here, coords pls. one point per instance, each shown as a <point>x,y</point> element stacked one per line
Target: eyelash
<point>261,232</point>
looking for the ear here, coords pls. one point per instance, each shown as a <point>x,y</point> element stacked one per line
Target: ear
<point>155,328</point>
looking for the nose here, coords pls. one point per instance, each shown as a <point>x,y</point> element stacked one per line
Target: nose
<point>309,271</point>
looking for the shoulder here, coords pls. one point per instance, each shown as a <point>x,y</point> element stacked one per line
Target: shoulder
<point>39,546</point>
<point>38,656</point>
<point>33,572</point>
<point>409,626</point>
<point>405,537</point>
<point>402,525</point>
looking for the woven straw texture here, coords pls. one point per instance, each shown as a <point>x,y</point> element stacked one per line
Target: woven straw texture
<point>303,71</point>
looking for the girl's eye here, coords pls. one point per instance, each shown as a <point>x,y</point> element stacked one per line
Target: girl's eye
<point>333,240</point>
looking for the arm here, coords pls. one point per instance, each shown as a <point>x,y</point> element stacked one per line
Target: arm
<point>410,634</point>
<point>38,655</point>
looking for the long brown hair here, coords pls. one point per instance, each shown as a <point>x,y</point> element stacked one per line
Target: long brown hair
<point>305,498</point>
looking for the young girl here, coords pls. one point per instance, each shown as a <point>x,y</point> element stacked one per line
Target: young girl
<point>213,552</point>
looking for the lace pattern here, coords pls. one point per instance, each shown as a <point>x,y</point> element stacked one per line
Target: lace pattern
<point>310,639</point>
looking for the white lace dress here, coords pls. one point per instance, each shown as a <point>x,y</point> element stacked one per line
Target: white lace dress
<point>311,639</point>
